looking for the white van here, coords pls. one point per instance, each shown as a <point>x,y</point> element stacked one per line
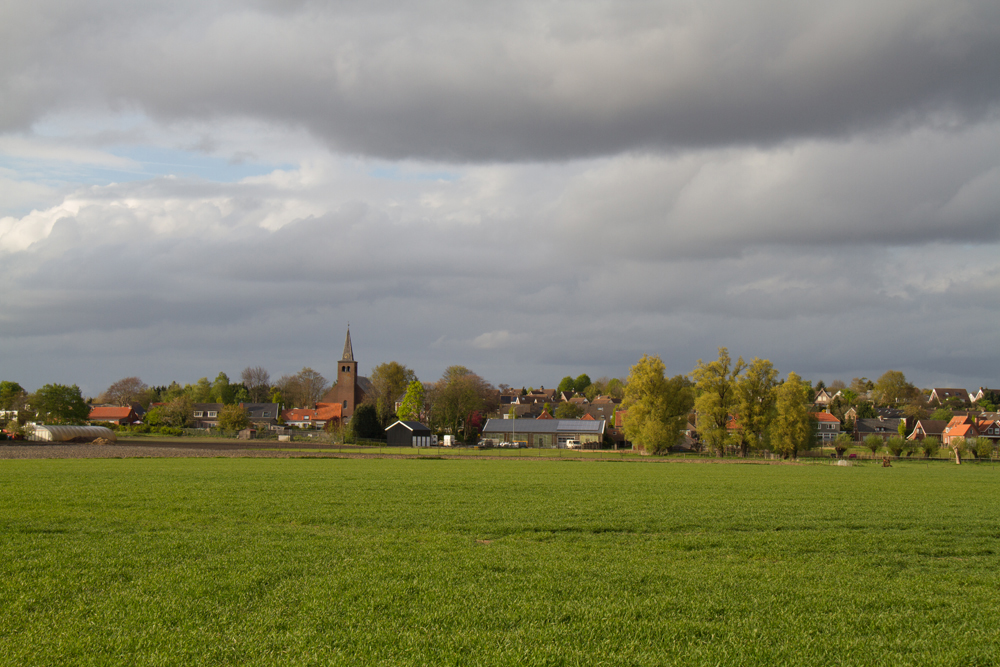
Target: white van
<point>574,444</point>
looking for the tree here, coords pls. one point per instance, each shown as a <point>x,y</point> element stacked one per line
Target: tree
<point>457,397</point>
<point>615,388</point>
<point>365,422</point>
<point>58,403</point>
<point>792,429</point>
<point>178,412</point>
<point>581,383</point>
<point>866,410</point>
<point>199,392</point>
<point>841,444</point>
<point>303,389</point>
<point>957,446</point>
<point>657,407</point>
<point>258,383</point>
<point>568,410</point>
<point>566,384</point>
<point>984,448</point>
<point>222,391</point>
<point>389,381</point>
<point>916,408</point>
<point>873,442</point>
<point>124,391</point>
<point>12,395</point>
<point>412,407</point>
<point>755,402</point>
<point>861,386</point>
<point>931,446</point>
<point>942,414</point>
<point>892,389</point>
<point>233,417</point>
<point>715,383</point>
<point>895,445</point>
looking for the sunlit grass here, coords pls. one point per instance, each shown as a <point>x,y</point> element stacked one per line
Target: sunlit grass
<point>341,561</point>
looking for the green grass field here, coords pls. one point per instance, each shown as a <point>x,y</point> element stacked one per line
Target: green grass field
<point>484,562</point>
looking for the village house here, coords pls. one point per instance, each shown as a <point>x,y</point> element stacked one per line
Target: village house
<point>113,415</point>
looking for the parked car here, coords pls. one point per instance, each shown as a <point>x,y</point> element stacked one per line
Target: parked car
<point>574,444</point>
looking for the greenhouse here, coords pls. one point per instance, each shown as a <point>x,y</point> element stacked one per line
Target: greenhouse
<point>43,433</point>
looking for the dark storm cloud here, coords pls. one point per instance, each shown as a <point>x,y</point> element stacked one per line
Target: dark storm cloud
<point>514,81</point>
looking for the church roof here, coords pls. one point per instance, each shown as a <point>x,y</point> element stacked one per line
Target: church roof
<point>348,350</point>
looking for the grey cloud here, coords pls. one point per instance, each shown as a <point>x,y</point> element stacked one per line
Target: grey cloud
<point>504,81</point>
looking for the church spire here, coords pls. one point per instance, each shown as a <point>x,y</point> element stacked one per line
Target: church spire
<point>348,350</point>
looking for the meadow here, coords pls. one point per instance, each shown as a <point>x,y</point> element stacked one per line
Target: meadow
<point>487,562</point>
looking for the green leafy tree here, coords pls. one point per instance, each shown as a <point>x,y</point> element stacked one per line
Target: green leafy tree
<point>222,391</point>
<point>12,395</point>
<point>58,403</point>
<point>233,417</point>
<point>178,413</point>
<point>615,388</point>
<point>412,407</point>
<point>568,410</point>
<point>892,389</point>
<point>566,384</point>
<point>792,429</point>
<point>866,410</point>
<point>389,381</point>
<point>874,443</point>
<point>171,392</point>
<point>200,391</point>
<point>895,445</point>
<point>755,403</point>
<point>155,417</point>
<point>657,407</point>
<point>715,385</point>
<point>581,383</point>
<point>943,414</point>
<point>365,422</point>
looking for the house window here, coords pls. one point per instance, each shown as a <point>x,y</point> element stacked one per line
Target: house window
<point>345,403</point>
<point>305,418</point>
<point>265,414</point>
<point>212,413</point>
<point>199,413</point>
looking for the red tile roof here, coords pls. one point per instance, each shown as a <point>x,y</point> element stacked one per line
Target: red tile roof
<point>110,413</point>
<point>824,417</point>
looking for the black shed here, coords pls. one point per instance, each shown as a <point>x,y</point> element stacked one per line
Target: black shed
<point>408,434</point>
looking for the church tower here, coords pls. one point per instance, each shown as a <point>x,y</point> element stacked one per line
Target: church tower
<point>347,377</point>
<point>350,390</point>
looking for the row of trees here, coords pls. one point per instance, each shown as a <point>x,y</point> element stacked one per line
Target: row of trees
<point>771,414</point>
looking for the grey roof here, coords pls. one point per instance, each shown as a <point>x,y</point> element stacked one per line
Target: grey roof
<point>876,426</point>
<point>411,425</point>
<point>544,426</point>
<point>256,410</point>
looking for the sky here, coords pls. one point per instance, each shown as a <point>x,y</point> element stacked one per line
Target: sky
<point>529,189</point>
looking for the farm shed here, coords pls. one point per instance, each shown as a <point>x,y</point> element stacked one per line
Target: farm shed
<point>43,433</point>
<point>547,433</point>
<point>408,434</point>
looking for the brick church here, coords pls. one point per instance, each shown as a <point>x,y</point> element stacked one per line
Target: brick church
<point>350,390</point>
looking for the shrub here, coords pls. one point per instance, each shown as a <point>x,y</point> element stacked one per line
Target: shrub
<point>931,446</point>
<point>873,442</point>
<point>895,445</point>
<point>841,444</point>
<point>984,448</point>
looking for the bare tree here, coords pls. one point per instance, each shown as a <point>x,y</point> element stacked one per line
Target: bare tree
<point>302,389</point>
<point>258,383</point>
<point>125,391</point>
